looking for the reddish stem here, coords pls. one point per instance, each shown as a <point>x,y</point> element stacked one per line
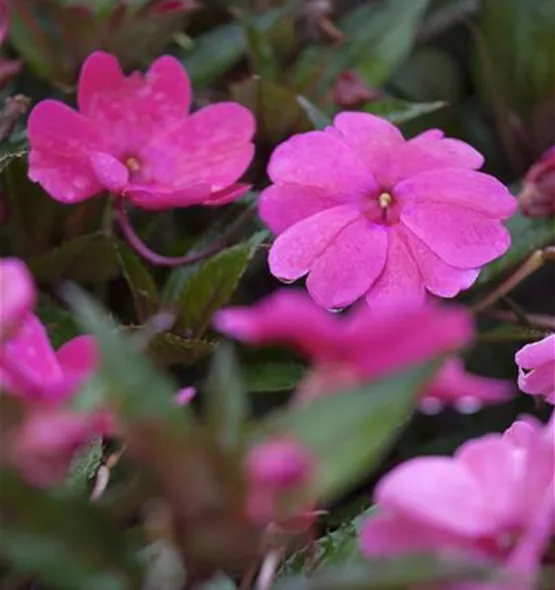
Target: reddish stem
<point>170,261</point>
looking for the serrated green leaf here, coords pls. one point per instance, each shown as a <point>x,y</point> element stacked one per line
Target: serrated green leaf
<point>400,111</point>
<point>349,432</point>
<point>86,259</point>
<point>527,235</point>
<point>170,349</point>
<point>140,282</point>
<point>67,543</point>
<point>211,287</point>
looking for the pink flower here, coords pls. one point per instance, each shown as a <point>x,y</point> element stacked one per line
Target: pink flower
<point>365,213</point>
<point>133,136</point>
<point>348,350</point>
<point>273,468</point>
<point>453,386</point>
<point>493,501</point>
<point>184,396</point>
<point>31,369</point>
<point>17,295</point>
<point>537,198</point>
<point>536,368</point>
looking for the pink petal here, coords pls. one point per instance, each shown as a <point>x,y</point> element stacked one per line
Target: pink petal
<point>466,188</point>
<point>322,160</point>
<point>211,146</point>
<point>374,140</point>
<point>349,265</point>
<point>282,205</point>
<point>17,295</point>
<point>154,198</point>
<point>99,71</point>
<point>227,195</point>
<point>537,354</point>
<point>440,278</point>
<point>79,356</point>
<point>110,173</point>
<point>61,141</point>
<point>460,236</point>
<point>430,151</point>
<point>440,493</point>
<point>294,251</point>
<point>540,381</point>
<point>400,283</point>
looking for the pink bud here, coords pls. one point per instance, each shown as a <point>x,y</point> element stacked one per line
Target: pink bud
<point>351,91</point>
<point>185,395</point>
<point>537,198</point>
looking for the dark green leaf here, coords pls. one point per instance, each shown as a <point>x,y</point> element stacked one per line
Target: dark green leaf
<point>85,259</point>
<point>141,283</point>
<point>227,404</point>
<point>59,323</point>
<point>400,111</point>
<point>169,349</point>
<point>349,432</point>
<point>273,376</point>
<point>67,543</point>
<point>211,287</point>
<point>527,235</point>
<point>318,118</point>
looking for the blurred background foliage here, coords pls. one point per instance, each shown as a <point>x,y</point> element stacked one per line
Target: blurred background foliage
<point>481,70</point>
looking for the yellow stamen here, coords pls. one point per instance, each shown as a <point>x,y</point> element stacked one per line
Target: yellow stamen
<point>133,164</point>
<point>385,200</point>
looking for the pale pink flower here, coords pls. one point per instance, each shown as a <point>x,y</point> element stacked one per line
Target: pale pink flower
<point>184,396</point>
<point>273,468</point>
<point>454,386</point>
<point>31,369</point>
<point>17,295</point>
<point>134,136</point>
<point>365,213</point>
<point>346,350</point>
<point>493,501</point>
<point>44,445</point>
<point>536,368</point>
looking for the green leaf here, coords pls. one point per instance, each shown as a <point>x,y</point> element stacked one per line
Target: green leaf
<point>318,118</point>
<point>140,281</point>
<point>349,432</point>
<point>85,259</point>
<point>394,574</point>
<point>273,376</point>
<point>67,543</point>
<point>135,387</point>
<point>59,323</point>
<point>211,287</point>
<point>379,37</point>
<point>169,349</point>
<point>227,404</point>
<point>400,111</point>
<point>527,235</point>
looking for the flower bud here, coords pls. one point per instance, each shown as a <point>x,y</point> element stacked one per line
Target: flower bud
<point>537,197</point>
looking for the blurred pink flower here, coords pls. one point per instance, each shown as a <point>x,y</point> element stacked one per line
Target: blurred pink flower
<point>17,295</point>
<point>493,501</point>
<point>356,347</point>
<point>133,136</point>
<point>366,213</point>
<point>537,197</point>
<point>184,396</point>
<point>454,386</point>
<point>44,445</point>
<point>31,369</point>
<point>273,468</point>
<point>536,368</point>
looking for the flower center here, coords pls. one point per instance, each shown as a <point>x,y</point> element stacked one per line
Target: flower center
<point>133,164</point>
<point>385,200</point>
<point>382,208</point>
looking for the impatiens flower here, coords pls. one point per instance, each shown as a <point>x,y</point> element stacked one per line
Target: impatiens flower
<point>31,369</point>
<point>17,295</point>
<point>365,213</point>
<point>273,468</point>
<point>345,351</point>
<point>493,501</point>
<point>134,136</point>
<point>536,363</point>
<point>454,386</point>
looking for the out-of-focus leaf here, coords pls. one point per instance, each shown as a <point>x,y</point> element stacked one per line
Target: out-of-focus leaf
<point>220,582</point>
<point>272,376</point>
<point>350,431</point>
<point>169,349</point>
<point>400,111</point>
<point>67,543</point>
<point>211,287</point>
<point>11,151</point>
<point>84,466</point>
<point>85,259</point>
<point>527,235</point>
<point>277,110</point>
<point>394,574</point>
<point>379,37</point>
<point>510,333</point>
<point>59,323</point>
<point>318,118</point>
<point>136,388</point>
<point>165,569</point>
<point>220,49</point>
<point>259,48</point>
<point>140,281</point>
<point>227,404</point>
